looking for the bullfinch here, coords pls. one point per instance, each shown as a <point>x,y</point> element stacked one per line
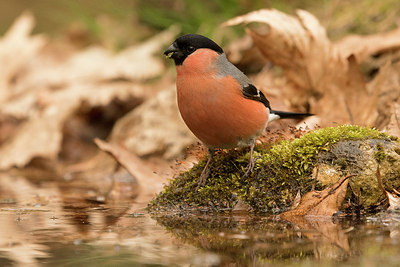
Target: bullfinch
<point>218,103</point>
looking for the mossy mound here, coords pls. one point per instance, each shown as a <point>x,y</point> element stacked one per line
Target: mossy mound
<point>281,171</point>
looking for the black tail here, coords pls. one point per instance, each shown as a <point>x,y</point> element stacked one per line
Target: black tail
<point>287,115</point>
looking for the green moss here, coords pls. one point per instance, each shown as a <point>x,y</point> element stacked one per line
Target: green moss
<point>281,170</point>
<point>380,154</point>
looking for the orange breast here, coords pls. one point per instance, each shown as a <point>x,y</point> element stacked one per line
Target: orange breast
<point>213,107</point>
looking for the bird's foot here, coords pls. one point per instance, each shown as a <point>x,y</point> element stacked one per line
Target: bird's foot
<point>203,177</point>
<point>206,171</point>
<point>250,167</point>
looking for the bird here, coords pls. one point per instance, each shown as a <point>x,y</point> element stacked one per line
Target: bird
<point>217,101</point>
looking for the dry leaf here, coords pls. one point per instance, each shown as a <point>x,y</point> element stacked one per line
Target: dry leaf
<point>41,134</point>
<point>17,48</point>
<point>149,182</point>
<point>365,46</point>
<point>97,64</point>
<point>154,128</point>
<point>298,44</point>
<point>46,90</point>
<point>320,203</point>
<point>330,71</point>
<point>387,82</point>
<point>142,61</point>
<point>393,127</point>
<point>241,207</point>
<point>296,200</point>
<point>393,199</point>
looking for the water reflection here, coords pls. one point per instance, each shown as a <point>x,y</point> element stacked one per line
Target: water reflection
<point>255,241</point>
<point>41,225</point>
<point>249,239</point>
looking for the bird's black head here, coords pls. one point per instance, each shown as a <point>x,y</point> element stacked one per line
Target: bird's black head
<point>187,44</point>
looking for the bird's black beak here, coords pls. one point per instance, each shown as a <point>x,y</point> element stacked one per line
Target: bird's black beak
<point>169,53</point>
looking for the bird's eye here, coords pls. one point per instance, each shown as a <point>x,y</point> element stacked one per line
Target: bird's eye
<point>190,49</point>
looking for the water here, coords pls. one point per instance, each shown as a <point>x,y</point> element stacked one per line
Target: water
<point>59,233</point>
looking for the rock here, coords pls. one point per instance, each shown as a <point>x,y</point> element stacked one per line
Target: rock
<point>361,158</point>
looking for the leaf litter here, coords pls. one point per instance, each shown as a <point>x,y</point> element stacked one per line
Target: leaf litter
<point>324,75</point>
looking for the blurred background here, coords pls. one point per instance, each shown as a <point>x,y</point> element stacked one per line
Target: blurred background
<point>119,23</point>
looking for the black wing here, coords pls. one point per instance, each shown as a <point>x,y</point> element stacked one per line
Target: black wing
<point>251,92</point>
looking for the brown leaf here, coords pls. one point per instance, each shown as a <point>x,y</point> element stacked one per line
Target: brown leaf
<point>149,182</point>
<point>296,201</point>
<point>141,61</point>
<point>321,203</point>
<point>393,127</point>
<point>46,90</point>
<point>365,46</point>
<point>41,133</point>
<point>393,198</point>
<point>241,207</point>
<point>387,82</point>
<point>97,64</point>
<point>298,44</point>
<point>330,71</point>
<point>40,136</point>
<point>394,201</point>
<point>154,128</point>
<point>17,48</point>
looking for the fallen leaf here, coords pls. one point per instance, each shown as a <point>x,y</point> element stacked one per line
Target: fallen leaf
<point>39,136</point>
<point>298,44</point>
<point>41,133</point>
<point>155,127</point>
<point>41,91</point>
<point>97,64</point>
<point>327,73</point>
<point>393,198</point>
<point>17,48</point>
<point>241,207</point>
<point>365,46</point>
<point>142,61</point>
<point>393,126</point>
<point>394,201</point>
<point>296,200</point>
<point>149,182</point>
<point>320,203</point>
<point>388,82</point>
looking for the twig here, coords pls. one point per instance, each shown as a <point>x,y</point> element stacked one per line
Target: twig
<point>340,184</point>
<point>379,178</point>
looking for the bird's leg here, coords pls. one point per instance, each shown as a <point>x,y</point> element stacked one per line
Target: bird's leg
<point>206,171</point>
<point>252,161</point>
